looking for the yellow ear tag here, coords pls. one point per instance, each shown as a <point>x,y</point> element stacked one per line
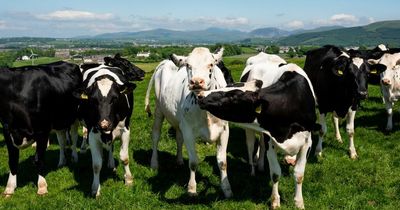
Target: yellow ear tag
<point>374,71</point>
<point>84,96</point>
<point>340,72</point>
<point>258,109</point>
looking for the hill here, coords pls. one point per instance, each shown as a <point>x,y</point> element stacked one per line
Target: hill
<point>387,32</point>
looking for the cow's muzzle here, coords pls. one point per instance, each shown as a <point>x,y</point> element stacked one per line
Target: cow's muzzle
<point>363,94</point>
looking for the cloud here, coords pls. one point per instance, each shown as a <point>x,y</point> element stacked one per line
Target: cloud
<point>344,19</point>
<point>3,24</point>
<point>295,24</point>
<point>72,15</point>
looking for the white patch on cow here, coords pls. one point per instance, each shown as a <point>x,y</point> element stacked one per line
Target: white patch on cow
<point>345,54</point>
<point>382,47</point>
<point>102,72</point>
<point>104,86</point>
<point>248,86</point>
<point>102,66</point>
<point>25,142</point>
<point>127,101</point>
<point>11,184</point>
<point>358,62</point>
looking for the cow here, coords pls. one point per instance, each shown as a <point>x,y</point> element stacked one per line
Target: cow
<point>284,112</point>
<point>36,100</point>
<point>176,87</point>
<point>106,109</point>
<point>387,64</point>
<point>340,83</point>
<point>130,71</point>
<point>262,67</point>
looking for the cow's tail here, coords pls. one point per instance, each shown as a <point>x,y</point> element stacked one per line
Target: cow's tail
<point>147,99</point>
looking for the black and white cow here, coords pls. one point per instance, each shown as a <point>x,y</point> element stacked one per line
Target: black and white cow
<point>284,111</point>
<point>387,63</point>
<point>36,100</point>
<point>340,82</point>
<point>106,108</point>
<point>264,67</point>
<point>129,70</point>
<point>176,86</point>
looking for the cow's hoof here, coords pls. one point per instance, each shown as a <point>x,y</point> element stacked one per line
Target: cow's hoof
<point>154,165</point>
<point>7,195</point>
<point>354,156</point>
<point>228,193</point>
<point>42,191</point>
<point>299,204</point>
<point>275,202</point>
<point>192,194</point>
<point>179,162</point>
<point>128,180</point>
<point>339,140</point>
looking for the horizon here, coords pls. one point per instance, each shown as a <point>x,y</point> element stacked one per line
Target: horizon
<point>74,18</point>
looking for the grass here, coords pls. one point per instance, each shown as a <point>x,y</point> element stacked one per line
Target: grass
<point>331,182</point>
<point>37,61</point>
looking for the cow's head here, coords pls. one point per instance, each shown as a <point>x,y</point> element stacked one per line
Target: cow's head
<point>132,72</point>
<point>352,72</point>
<point>106,98</point>
<point>238,102</point>
<point>200,66</point>
<point>384,64</point>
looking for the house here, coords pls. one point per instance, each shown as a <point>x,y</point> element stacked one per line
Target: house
<point>143,54</point>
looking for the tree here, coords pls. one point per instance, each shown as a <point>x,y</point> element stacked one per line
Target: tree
<point>273,49</point>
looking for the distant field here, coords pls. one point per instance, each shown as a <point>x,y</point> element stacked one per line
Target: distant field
<point>331,182</point>
<point>41,60</point>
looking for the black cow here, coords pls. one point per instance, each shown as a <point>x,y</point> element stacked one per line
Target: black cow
<point>107,104</point>
<point>340,82</point>
<point>285,111</point>
<point>35,100</point>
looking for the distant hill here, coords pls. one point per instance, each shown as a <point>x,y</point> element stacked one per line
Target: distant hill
<point>269,33</point>
<point>387,32</point>
<point>164,35</point>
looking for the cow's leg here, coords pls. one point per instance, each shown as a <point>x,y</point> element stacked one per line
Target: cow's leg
<point>74,140</point>
<point>124,156</point>
<point>322,132</point>
<point>84,140</point>
<point>250,139</point>
<point>222,144</point>
<point>39,161</point>
<point>179,143</point>
<point>275,173</point>
<point>299,171</point>
<point>13,157</point>
<point>389,110</point>
<point>111,161</point>
<point>96,149</point>
<point>336,126</point>
<point>189,140</point>
<point>261,155</point>
<point>350,131</point>
<point>156,131</point>
<point>61,137</point>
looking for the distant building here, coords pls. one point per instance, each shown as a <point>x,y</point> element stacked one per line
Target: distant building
<point>25,58</point>
<point>62,53</point>
<point>143,54</point>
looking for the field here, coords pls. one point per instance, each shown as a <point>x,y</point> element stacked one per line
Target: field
<point>331,182</point>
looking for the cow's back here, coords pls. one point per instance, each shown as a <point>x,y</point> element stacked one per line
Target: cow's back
<point>45,92</point>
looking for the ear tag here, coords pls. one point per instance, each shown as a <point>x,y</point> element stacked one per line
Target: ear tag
<point>84,96</point>
<point>340,72</point>
<point>373,71</point>
<point>258,109</point>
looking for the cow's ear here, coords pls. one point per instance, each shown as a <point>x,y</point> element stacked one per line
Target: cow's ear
<point>128,88</point>
<point>217,55</point>
<point>107,60</point>
<point>117,56</point>
<point>339,67</point>
<point>80,94</point>
<point>178,60</point>
<point>373,61</point>
<point>377,68</point>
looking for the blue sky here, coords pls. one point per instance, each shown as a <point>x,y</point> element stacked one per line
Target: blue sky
<point>68,18</point>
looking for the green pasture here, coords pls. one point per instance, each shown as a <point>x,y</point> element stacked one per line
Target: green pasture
<point>331,182</point>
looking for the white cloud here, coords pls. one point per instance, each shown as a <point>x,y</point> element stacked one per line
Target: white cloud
<point>70,15</point>
<point>2,24</point>
<point>295,24</point>
<point>344,19</point>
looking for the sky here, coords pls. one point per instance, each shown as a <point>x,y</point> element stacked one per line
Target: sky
<point>70,18</point>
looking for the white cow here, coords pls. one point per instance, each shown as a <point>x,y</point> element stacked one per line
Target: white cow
<point>390,81</point>
<point>176,92</point>
<point>264,67</point>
